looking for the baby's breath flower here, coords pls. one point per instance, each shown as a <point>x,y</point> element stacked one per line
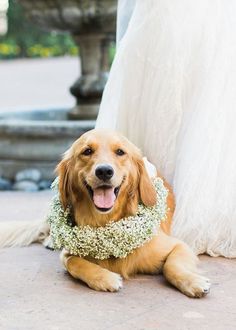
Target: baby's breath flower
<point>117,239</point>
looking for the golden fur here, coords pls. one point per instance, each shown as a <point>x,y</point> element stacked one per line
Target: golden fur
<point>162,254</point>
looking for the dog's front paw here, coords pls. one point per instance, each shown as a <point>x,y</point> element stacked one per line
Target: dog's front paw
<point>106,281</point>
<point>196,286</point>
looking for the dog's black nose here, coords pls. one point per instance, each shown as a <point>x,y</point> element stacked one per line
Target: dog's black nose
<point>104,172</point>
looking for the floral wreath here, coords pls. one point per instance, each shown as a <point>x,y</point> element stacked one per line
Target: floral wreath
<point>117,238</point>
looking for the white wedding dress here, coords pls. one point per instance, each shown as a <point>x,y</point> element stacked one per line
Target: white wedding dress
<point>172,91</point>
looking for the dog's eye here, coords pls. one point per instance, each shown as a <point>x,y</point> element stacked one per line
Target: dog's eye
<point>120,152</point>
<point>87,152</point>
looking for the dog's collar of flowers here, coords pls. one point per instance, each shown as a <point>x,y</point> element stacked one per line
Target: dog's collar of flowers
<point>117,239</point>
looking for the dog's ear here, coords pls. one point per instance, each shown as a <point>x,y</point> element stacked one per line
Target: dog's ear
<point>147,190</point>
<point>63,169</point>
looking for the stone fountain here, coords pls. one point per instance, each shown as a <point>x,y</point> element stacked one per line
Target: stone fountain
<point>37,139</point>
<point>92,24</point>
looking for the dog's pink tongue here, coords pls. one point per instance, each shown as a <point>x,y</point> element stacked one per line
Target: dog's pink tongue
<point>104,198</point>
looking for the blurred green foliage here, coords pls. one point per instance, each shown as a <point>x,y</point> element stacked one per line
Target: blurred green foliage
<point>112,52</point>
<point>24,39</point>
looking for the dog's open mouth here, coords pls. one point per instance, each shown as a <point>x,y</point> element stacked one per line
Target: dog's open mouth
<point>103,197</point>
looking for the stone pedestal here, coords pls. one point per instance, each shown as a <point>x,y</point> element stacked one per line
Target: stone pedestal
<point>94,54</point>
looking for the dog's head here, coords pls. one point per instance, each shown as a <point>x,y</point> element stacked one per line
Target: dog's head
<point>105,171</point>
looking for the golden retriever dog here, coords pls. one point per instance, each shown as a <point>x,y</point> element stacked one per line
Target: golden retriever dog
<point>103,177</point>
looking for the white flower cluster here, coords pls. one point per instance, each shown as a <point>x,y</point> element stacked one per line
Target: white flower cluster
<point>117,239</point>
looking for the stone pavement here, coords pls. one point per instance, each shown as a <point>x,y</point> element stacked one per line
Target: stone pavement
<point>36,293</point>
<point>27,84</point>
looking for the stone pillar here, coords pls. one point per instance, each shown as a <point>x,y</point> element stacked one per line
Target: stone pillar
<point>94,55</point>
